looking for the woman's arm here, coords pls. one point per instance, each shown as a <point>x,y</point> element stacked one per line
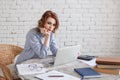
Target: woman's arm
<point>53,46</point>
<point>36,45</point>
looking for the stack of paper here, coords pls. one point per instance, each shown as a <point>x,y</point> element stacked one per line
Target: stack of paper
<point>55,75</point>
<point>32,68</point>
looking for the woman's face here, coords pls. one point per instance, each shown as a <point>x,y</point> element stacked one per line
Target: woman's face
<point>50,24</point>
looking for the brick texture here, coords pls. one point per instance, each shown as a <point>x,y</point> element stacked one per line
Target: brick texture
<point>93,24</point>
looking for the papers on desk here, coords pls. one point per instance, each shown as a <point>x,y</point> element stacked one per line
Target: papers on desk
<point>90,63</point>
<point>31,68</point>
<point>55,75</point>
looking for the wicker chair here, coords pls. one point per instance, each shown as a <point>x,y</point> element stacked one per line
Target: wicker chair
<point>8,52</point>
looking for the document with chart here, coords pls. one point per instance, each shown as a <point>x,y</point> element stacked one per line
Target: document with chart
<point>31,68</point>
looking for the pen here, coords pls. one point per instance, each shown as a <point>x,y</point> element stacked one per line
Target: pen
<point>55,76</point>
<point>38,78</point>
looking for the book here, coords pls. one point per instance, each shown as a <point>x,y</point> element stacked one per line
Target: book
<point>87,72</point>
<point>108,66</point>
<point>56,75</point>
<point>108,71</point>
<point>108,60</point>
<point>31,68</point>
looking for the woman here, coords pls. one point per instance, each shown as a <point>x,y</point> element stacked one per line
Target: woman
<point>40,40</point>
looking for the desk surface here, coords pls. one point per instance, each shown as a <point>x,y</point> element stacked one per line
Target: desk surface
<point>69,69</point>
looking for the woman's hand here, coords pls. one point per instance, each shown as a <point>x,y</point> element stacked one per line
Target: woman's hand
<point>45,32</point>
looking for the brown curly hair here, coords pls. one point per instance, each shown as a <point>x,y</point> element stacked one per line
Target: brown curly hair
<point>44,17</point>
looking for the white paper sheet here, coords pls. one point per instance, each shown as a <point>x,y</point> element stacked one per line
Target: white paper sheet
<point>31,68</point>
<point>45,76</point>
<point>90,63</point>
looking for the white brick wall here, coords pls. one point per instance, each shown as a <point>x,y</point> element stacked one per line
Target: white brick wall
<point>93,24</point>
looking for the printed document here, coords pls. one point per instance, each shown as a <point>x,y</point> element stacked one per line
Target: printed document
<point>31,68</point>
<point>56,75</point>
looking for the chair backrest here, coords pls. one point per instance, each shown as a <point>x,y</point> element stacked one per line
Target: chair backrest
<point>2,78</point>
<point>8,53</point>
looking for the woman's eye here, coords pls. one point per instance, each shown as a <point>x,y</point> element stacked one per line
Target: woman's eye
<point>53,24</point>
<point>49,22</point>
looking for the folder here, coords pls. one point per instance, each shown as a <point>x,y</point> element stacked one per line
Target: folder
<point>108,60</point>
<point>108,71</point>
<point>108,66</point>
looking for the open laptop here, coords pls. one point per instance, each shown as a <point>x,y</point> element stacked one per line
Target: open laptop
<point>66,55</point>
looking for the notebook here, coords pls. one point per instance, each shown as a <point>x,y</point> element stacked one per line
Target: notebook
<point>67,55</point>
<point>87,72</point>
<point>56,75</point>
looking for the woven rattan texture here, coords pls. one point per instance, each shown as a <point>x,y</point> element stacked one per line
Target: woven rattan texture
<point>8,53</point>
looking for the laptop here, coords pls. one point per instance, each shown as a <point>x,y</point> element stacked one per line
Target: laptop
<point>66,55</point>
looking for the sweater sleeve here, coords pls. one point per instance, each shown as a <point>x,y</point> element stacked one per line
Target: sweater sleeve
<point>36,45</point>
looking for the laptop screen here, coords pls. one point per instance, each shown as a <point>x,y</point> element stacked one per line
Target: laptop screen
<point>66,55</point>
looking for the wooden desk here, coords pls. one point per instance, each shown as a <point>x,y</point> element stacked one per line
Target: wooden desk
<point>69,69</point>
